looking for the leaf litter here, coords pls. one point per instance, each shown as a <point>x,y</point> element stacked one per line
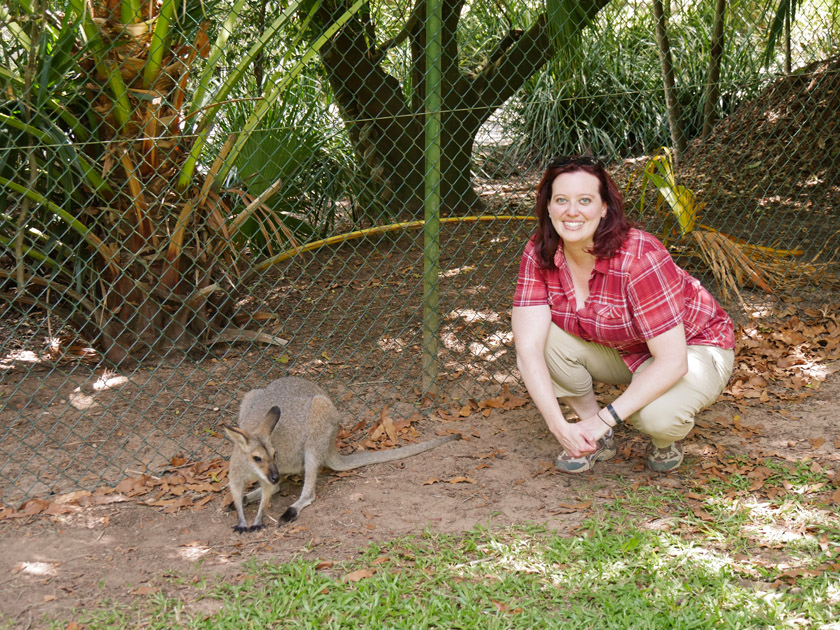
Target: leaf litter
<point>777,362</point>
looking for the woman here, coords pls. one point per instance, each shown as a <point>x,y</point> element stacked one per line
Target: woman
<point>598,300</point>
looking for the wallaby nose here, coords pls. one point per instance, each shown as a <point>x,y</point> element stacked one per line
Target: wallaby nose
<point>273,475</point>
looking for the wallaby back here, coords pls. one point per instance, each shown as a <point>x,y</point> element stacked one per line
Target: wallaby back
<point>301,427</point>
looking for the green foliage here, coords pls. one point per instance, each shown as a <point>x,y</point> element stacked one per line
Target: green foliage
<point>605,96</point>
<point>296,150</point>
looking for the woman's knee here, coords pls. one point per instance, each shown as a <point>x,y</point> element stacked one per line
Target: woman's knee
<point>664,422</point>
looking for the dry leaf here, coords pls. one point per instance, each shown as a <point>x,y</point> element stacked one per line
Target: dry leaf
<point>133,485</point>
<point>361,574</point>
<point>585,505</point>
<point>33,507</point>
<point>460,480</point>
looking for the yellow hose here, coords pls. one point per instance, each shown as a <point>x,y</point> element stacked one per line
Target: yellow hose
<point>382,229</point>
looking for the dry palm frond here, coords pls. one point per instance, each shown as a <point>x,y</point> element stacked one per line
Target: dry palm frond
<point>737,265</point>
<point>728,262</point>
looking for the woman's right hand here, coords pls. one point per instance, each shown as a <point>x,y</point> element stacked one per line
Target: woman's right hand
<point>575,438</point>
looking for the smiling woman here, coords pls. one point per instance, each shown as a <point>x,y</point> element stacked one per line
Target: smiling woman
<point>598,300</point>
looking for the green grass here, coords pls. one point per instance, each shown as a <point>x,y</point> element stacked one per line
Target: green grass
<point>647,559</point>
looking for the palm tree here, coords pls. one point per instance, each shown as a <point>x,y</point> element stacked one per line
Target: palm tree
<point>105,120</point>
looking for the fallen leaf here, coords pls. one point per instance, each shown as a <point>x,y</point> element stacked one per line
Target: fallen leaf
<point>361,574</point>
<point>502,607</point>
<point>584,505</point>
<point>133,485</point>
<point>460,480</point>
<point>452,480</point>
<point>33,507</point>
<point>74,498</point>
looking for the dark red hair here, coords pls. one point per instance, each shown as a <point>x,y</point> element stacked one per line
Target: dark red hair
<point>613,228</point>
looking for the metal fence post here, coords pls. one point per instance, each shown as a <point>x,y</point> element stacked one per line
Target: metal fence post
<point>431,232</point>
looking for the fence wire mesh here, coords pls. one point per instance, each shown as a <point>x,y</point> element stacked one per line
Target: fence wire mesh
<point>197,197</point>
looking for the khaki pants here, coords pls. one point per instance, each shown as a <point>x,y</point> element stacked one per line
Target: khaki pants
<point>574,364</point>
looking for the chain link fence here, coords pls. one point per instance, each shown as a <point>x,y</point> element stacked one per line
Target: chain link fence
<point>197,197</point>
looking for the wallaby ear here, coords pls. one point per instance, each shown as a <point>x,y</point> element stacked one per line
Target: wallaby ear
<point>237,436</point>
<point>272,417</point>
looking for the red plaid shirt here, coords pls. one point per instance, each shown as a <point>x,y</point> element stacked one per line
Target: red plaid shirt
<point>634,296</point>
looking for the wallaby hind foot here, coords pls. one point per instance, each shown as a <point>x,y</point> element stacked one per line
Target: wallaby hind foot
<point>289,428</point>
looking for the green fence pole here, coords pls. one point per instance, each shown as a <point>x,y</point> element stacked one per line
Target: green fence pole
<point>431,232</point>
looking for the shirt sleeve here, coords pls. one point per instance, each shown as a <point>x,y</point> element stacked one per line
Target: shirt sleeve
<point>531,289</point>
<point>656,294</point>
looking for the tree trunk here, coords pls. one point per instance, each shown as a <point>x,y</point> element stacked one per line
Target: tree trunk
<point>788,61</point>
<point>673,105</point>
<point>386,127</point>
<point>713,80</point>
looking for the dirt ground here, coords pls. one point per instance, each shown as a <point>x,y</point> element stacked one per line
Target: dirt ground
<point>501,474</point>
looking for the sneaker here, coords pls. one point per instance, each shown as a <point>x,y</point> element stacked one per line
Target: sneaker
<point>667,458</point>
<point>606,450</point>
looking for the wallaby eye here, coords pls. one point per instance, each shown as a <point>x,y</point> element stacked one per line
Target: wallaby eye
<point>257,459</point>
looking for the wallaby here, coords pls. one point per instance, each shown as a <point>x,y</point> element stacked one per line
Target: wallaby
<point>287,428</point>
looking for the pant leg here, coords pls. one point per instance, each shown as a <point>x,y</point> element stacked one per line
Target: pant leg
<point>574,363</point>
<point>670,417</point>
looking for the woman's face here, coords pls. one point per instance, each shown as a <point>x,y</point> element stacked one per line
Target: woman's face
<point>576,208</point>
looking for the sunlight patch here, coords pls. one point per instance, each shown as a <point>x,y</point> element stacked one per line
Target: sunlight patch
<point>39,569</point>
<point>449,273</point>
<point>193,551</point>
<point>391,344</point>
<point>470,315</point>
<point>108,380</point>
<point>79,400</point>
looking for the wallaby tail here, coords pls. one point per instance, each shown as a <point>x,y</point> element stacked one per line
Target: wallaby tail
<point>338,462</point>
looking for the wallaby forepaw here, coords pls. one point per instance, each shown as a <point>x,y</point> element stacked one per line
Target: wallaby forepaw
<point>288,516</point>
<point>241,529</point>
